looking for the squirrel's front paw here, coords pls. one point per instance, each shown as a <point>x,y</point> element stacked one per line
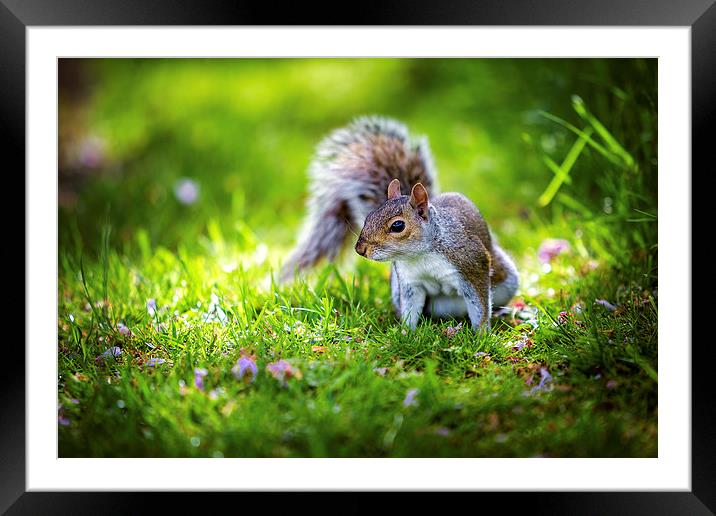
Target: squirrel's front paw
<point>410,320</point>
<point>483,327</point>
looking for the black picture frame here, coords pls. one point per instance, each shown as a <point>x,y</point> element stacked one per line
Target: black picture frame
<point>17,15</point>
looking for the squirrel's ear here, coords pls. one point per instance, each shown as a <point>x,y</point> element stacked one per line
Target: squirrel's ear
<point>394,189</point>
<point>419,200</point>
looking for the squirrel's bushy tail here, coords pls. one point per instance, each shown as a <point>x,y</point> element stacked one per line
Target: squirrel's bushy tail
<point>323,237</point>
<point>348,178</point>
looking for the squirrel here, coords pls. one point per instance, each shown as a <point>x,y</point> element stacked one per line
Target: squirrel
<point>445,261</point>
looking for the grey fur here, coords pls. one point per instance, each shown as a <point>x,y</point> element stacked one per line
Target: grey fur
<point>348,178</point>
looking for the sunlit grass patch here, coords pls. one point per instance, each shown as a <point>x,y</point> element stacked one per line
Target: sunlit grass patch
<point>132,366</point>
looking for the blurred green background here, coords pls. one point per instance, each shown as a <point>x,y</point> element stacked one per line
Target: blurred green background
<point>243,130</point>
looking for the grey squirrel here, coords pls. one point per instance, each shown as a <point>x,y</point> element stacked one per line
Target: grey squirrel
<point>445,261</point>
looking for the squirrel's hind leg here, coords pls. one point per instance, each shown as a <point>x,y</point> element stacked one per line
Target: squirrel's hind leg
<point>478,299</point>
<point>505,278</point>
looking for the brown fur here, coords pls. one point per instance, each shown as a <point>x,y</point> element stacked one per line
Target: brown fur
<point>498,272</point>
<point>385,157</point>
<point>381,158</point>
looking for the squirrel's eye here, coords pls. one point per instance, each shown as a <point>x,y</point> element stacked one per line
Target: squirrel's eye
<point>397,226</point>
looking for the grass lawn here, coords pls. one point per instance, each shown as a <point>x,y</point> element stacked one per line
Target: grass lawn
<point>174,341</point>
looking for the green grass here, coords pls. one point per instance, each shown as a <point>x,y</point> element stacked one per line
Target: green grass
<point>573,157</point>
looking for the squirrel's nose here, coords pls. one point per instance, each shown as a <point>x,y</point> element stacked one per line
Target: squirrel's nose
<point>361,248</point>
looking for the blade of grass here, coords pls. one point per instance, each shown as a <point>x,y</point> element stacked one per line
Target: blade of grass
<point>552,165</point>
<point>344,287</point>
<point>104,259</point>
<point>564,169</point>
<point>590,141</point>
<point>85,288</point>
<point>612,143</point>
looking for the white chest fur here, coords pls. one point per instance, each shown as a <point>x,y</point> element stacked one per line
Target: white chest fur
<point>431,272</point>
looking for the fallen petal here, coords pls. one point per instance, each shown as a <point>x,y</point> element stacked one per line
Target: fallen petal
<point>112,352</point>
<point>121,328</point>
<point>199,375</point>
<point>552,247</point>
<point>606,304</point>
<point>182,388</point>
<point>245,369</point>
<point>151,307</point>
<point>450,331</point>
<point>519,305</point>
<point>410,398</point>
<point>564,317</point>
<point>282,371</point>
<point>545,378</point>
<point>186,191</point>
